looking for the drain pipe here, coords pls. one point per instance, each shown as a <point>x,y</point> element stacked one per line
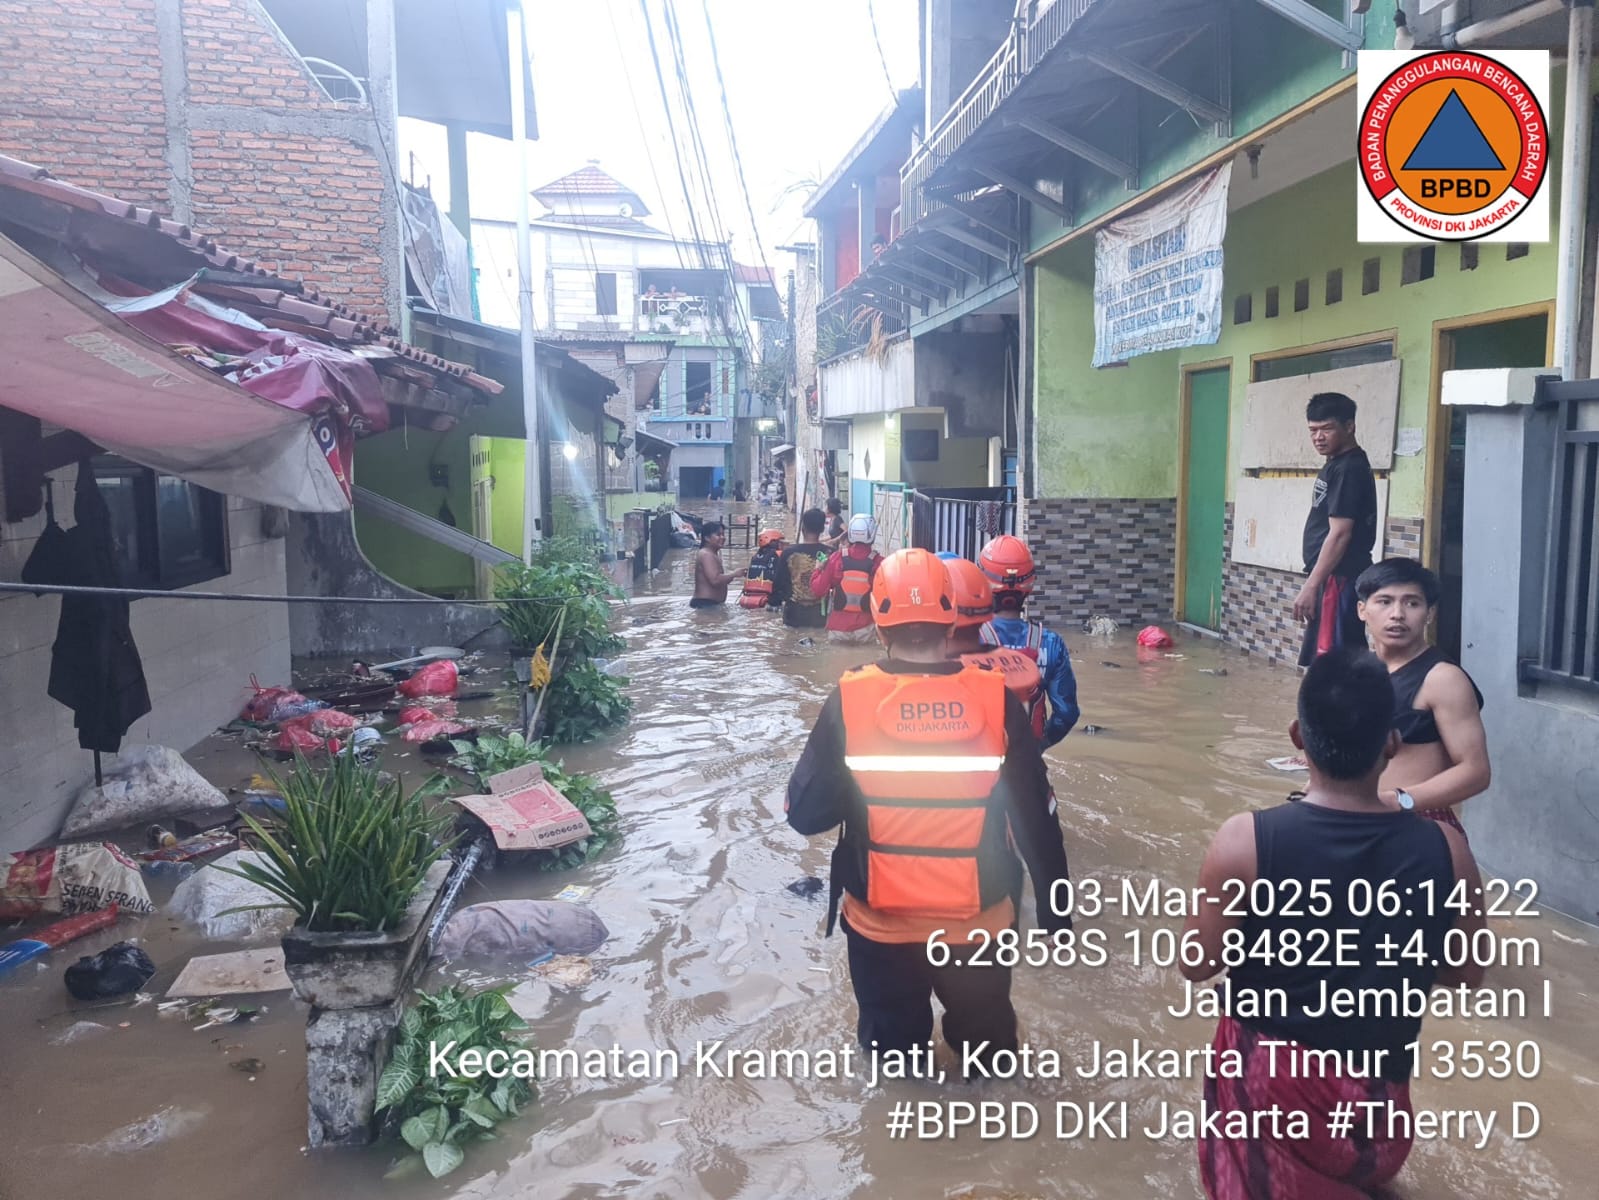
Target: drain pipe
<point>1573,185</point>
<point>1484,32</point>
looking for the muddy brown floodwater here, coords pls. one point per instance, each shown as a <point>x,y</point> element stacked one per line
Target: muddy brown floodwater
<point>707,946</point>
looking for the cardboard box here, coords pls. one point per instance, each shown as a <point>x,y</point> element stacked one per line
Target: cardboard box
<point>524,811</point>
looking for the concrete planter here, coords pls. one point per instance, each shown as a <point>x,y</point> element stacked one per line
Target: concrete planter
<point>358,970</point>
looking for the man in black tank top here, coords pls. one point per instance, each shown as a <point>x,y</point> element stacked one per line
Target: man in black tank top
<point>1443,752</point>
<point>1325,990</point>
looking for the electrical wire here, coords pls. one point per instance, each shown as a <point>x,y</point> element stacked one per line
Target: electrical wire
<point>871,13</point>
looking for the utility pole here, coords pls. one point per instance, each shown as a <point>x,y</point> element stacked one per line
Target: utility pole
<point>533,476</point>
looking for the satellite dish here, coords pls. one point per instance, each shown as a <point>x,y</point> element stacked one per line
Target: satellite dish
<point>626,209</point>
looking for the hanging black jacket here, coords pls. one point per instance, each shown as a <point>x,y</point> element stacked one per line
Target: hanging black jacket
<point>94,665</point>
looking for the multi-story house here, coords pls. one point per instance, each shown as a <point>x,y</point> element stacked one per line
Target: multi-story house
<point>614,289</point>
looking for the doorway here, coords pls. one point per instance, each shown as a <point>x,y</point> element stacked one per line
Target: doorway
<point>1202,494</point>
<point>693,483</point>
<point>1509,338</point>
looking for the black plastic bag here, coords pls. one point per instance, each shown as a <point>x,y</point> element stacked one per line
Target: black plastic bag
<point>122,969</point>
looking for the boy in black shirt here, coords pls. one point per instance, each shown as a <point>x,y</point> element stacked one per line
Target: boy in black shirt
<point>1340,530</point>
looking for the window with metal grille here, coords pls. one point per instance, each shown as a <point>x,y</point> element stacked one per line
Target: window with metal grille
<point>1569,646</point>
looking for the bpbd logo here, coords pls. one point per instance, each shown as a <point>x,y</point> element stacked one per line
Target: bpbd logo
<point>1454,146</point>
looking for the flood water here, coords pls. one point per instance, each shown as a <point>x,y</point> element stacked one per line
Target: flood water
<point>708,945</point>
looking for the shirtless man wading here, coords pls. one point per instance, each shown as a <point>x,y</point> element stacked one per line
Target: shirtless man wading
<point>1443,756</point>
<point>710,581</point>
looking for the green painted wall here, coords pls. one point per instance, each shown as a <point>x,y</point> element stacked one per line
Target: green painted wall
<point>395,464</point>
<point>1114,432</point>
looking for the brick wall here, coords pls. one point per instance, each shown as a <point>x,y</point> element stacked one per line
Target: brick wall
<point>309,206</point>
<point>267,165</point>
<point>198,657</point>
<point>87,103</point>
<point>234,59</point>
<point>1103,557</point>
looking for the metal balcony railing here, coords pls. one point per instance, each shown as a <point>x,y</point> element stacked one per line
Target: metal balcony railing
<point>675,314</point>
<point>1019,53</point>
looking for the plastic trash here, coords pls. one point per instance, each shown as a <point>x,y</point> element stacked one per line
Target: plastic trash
<point>117,971</point>
<point>42,941</point>
<point>273,704</point>
<point>146,783</point>
<point>70,880</point>
<point>435,679</point>
<point>1154,637</point>
<point>205,897</point>
<point>162,869</point>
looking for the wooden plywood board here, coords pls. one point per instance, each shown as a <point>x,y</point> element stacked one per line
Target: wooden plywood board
<point>1269,521</point>
<point>1274,436</point>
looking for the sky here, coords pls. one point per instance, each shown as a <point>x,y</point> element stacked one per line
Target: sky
<point>804,80</point>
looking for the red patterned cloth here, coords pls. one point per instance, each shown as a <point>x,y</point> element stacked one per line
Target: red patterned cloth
<point>1444,816</point>
<point>1319,1167</point>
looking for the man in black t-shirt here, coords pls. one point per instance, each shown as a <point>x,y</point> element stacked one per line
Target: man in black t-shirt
<point>1340,530</point>
<point>799,562</point>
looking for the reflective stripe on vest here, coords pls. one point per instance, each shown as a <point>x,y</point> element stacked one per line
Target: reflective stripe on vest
<point>854,585</point>
<point>926,752</point>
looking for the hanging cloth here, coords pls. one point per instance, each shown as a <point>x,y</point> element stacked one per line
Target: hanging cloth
<point>94,665</point>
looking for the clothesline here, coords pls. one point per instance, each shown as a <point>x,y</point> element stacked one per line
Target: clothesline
<point>64,589</point>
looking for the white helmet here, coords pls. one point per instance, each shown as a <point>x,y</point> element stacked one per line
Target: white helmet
<point>863,528</point>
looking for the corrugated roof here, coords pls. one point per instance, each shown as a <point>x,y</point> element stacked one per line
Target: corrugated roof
<point>92,223</point>
<point>759,276</point>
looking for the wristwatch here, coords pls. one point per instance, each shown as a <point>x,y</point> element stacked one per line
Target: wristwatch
<point>1407,802</point>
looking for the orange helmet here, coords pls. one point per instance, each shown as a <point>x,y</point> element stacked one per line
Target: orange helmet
<point>910,587</point>
<point>768,536</point>
<point>1008,563</point>
<point>974,597</point>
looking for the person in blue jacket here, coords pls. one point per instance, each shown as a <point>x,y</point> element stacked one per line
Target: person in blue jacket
<point>1008,563</point>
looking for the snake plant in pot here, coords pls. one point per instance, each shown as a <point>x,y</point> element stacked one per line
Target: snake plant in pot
<point>362,864</point>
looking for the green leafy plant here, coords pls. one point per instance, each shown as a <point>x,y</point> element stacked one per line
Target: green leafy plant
<point>349,849</point>
<point>491,754</point>
<point>435,1114</point>
<point>583,702</point>
<point>564,573</point>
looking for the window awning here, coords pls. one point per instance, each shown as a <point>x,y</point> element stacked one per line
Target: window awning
<point>779,451</point>
<point>70,362</point>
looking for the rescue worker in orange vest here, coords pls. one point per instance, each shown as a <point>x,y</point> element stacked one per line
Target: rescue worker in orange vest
<point>932,769</point>
<point>1008,564</point>
<point>848,577</point>
<point>761,582</point>
<point>974,607</point>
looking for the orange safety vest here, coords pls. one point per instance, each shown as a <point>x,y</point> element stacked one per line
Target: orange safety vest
<point>854,585</point>
<point>756,594</point>
<point>929,836</point>
<point>1023,679</point>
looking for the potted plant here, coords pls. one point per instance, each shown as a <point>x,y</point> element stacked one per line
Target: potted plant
<point>362,864</point>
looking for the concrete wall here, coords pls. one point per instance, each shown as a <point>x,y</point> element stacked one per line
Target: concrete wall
<point>1537,820</point>
<point>962,461</point>
<point>859,384</point>
<point>198,657</point>
<point>199,109</point>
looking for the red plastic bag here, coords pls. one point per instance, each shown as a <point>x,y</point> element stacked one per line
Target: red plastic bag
<point>436,711</point>
<point>435,679</point>
<point>430,731</point>
<point>296,734</point>
<point>329,721</point>
<point>1154,637</point>
<point>269,705</point>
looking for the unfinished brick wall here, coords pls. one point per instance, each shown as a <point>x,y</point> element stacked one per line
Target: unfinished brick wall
<point>266,164</point>
<point>309,206</point>
<point>80,93</point>
<point>234,58</point>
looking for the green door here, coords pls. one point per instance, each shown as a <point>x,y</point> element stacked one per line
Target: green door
<point>1204,499</point>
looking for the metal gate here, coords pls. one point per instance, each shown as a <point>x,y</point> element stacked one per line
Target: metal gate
<point>889,506</point>
<point>962,524</point>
